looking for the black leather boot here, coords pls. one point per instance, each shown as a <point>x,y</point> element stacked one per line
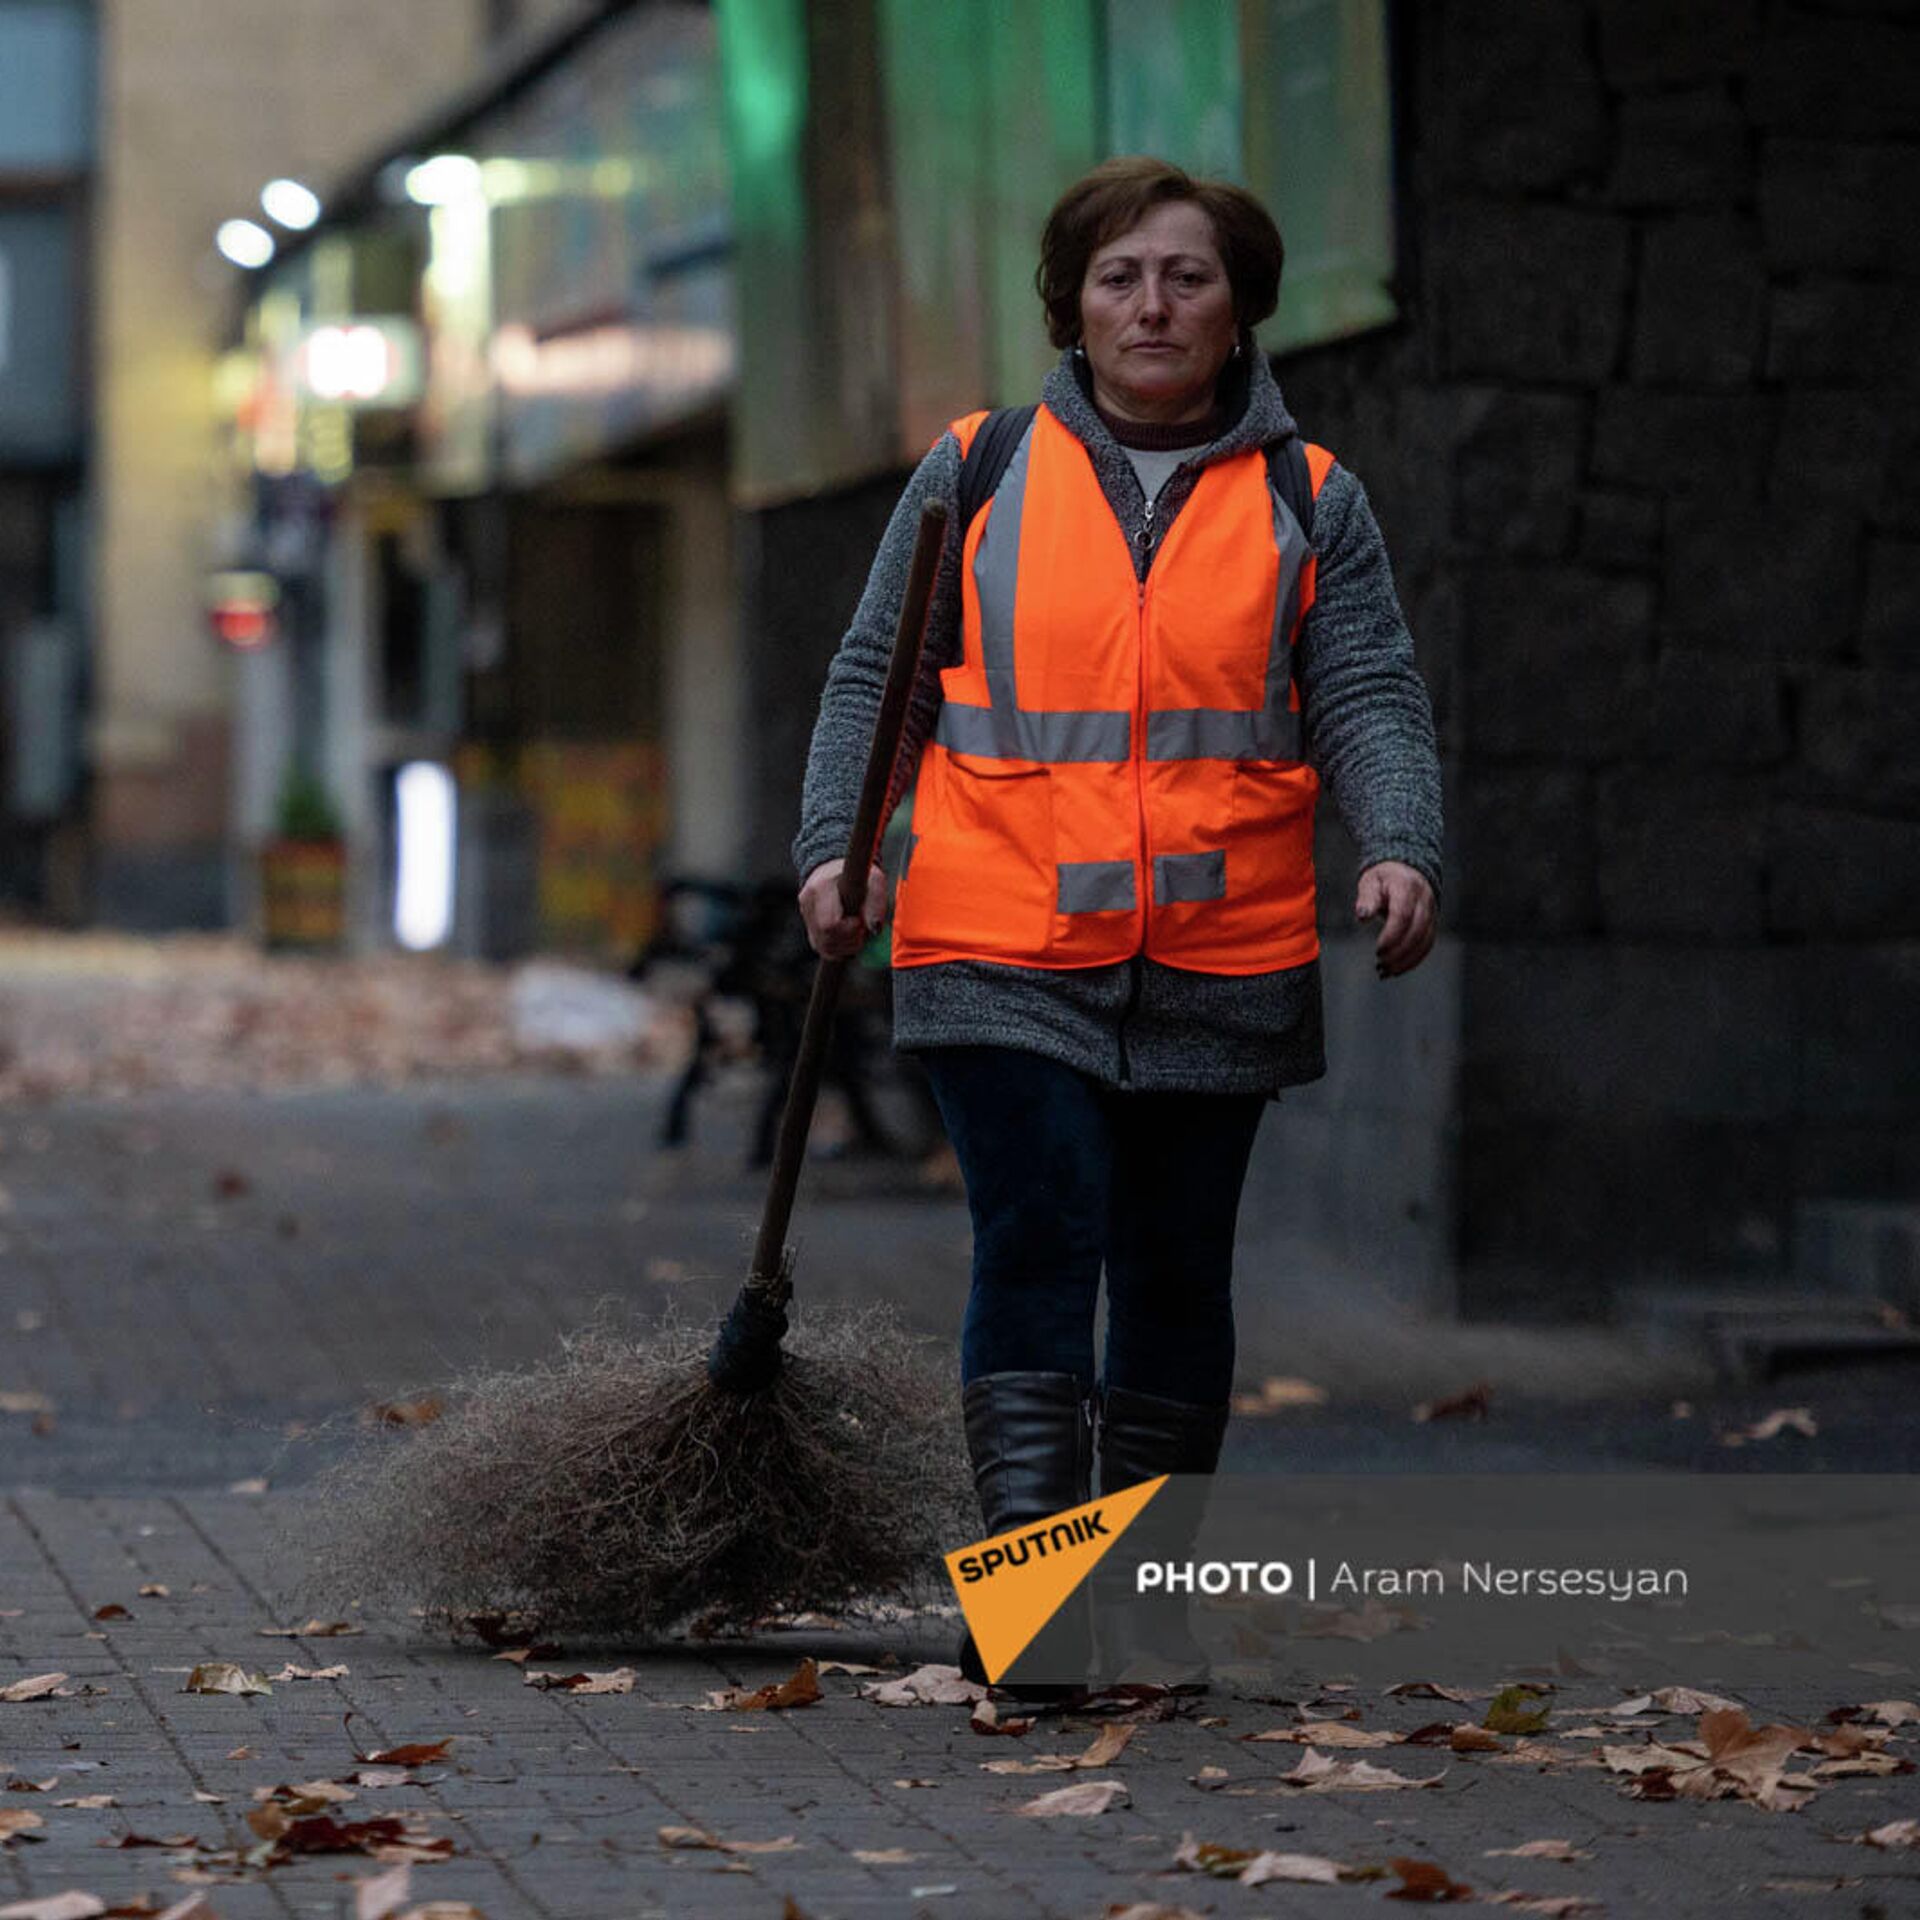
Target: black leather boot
<point>1030,1438</point>
<point>1142,1437</point>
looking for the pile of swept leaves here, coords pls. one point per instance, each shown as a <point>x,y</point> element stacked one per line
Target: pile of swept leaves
<point>613,1490</point>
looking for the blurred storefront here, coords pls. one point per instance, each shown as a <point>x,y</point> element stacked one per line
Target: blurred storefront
<point>47,152</point>
<point>480,417</point>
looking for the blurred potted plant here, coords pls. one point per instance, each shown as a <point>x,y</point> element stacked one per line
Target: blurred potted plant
<point>303,871</point>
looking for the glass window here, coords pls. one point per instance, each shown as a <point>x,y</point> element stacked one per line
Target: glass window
<point>46,85</point>
<point>39,414</point>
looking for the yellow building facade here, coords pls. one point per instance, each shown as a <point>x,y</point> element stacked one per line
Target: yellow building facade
<point>201,103</point>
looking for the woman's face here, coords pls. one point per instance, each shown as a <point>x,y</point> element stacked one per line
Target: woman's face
<point>1156,316</point>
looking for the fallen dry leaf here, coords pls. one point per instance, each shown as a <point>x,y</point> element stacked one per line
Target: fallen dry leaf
<point>1782,1419</point>
<point>884,1856</point>
<point>309,1796</point>
<point>387,1837</point>
<point>1152,1910</point>
<point>1539,1850</point>
<point>1895,1834</point>
<point>801,1688</point>
<point>916,1783</point>
<point>854,1669</point>
<point>56,1906</point>
<point>418,1753</point>
<point>1732,1759</point>
<point>1423,1880</point>
<point>1253,1868</point>
<point>1753,1757</point>
<point>383,1895</point>
<point>15,1821</point>
<point>1086,1798</point>
<point>1651,1758</point>
<point>1687,1700</point>
<point>1465,1737</point>
<point>1517,1709</point>
<point>1303,1868</point>
<point>619,1680</point>
<point>89,1802</point>
<point>1538,1753</point>
<point>1432,1690</point>
<point>291,1672</point>
<point>988,1718</point>
<point>39,1686</point>
<point>1108,1745</point>
<point>15,1784</point>
<point>1890,1713</point>
<point>1328,1733</point>
<point>382,1777</point>
<point>222,1676</point>
<point>1865,1765</point>
<point>1273,1394</point>
<point>315,1629</point>
<point>113,1610</point>
<point>700,1838</point>
<point>929,1686</point>
<point>23,1400</point>
<point>1473,1404</point>
<point>1315,1773</point>
<point>1557,1906</point>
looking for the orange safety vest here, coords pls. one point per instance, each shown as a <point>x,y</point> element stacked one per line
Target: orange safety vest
<point>1116,765</point>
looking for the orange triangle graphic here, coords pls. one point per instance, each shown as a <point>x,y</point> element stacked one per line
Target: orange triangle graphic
<point>1011,1585</point>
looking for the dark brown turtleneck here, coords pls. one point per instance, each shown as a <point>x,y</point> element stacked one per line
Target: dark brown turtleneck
<point>1147,437</point>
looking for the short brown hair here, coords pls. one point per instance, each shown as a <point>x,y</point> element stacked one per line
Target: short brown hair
<point>1117,195</point>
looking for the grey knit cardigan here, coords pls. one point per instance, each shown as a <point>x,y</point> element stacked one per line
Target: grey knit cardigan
<point>1370,733</point>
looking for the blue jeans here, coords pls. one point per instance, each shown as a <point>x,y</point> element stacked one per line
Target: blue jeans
<point>1066,1176</point>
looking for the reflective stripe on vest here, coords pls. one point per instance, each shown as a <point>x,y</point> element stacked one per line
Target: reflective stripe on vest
<point>1115,767</point>
<point>1005,730</point>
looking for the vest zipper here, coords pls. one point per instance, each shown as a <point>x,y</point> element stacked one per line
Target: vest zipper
<point>1144,879</point>
<point>1136,965</point>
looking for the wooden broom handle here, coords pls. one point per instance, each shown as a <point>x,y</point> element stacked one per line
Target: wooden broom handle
<point>770,1263</point>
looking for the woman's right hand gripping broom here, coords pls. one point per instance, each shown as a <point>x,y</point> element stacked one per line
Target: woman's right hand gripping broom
<point>834,933</point>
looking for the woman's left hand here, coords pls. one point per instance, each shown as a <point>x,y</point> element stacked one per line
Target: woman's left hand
<point>1400,892</point>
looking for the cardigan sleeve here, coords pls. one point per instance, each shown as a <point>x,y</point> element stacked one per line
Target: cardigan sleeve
<point>850,703</point>
<point>1369,720</point>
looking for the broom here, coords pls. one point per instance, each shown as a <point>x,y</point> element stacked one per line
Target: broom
<point>746,1352</point>
<point>633,1485</point>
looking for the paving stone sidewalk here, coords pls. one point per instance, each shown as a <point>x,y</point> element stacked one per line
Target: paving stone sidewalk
<point>186,1279</point>
<point>555,1802</point>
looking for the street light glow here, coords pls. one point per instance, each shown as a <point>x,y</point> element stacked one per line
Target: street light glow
<point>446,178</point>
<point>245,242</point>
<point>290,204</point>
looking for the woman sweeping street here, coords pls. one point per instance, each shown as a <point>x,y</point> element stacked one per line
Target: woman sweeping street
<point>1167,625</point>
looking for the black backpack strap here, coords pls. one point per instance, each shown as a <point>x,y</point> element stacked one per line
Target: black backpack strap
<point>1287,470</point>
<point>993,444</point>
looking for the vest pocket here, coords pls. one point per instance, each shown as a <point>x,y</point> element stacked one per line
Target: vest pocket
<point>983,884</point>
<point>1267,918</point>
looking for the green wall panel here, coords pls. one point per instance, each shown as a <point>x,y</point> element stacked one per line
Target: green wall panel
<point>1318,144</point>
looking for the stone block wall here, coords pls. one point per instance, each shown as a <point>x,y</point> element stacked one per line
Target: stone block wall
<point>1646,447</point>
